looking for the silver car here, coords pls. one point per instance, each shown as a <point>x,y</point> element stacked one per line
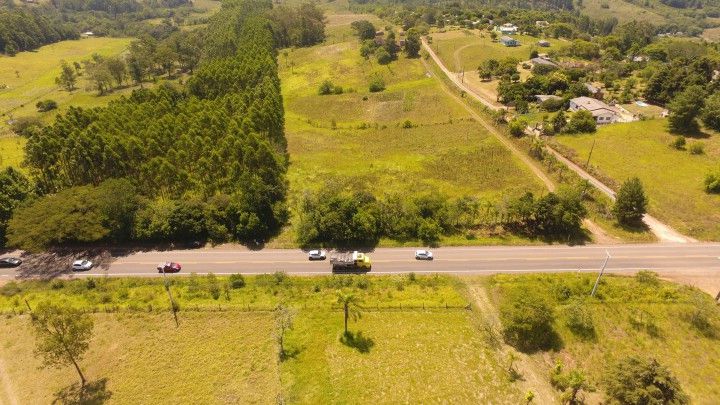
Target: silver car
<point>423,255</point>
<point>317,255</point>
<point>82,265</point>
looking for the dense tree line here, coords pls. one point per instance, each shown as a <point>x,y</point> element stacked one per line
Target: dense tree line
<point>206,162</point>
<point>303,25</point>
<point>24,29</point>
<point>346,219</point>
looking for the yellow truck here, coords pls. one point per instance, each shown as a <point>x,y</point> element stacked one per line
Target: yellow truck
<point>355,261</point>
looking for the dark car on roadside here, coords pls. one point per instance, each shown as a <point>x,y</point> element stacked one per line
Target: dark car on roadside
<point>169,267</point>
<point>10,262</point>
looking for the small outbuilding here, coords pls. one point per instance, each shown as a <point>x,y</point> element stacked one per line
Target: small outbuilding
<point>507,41</point>
<point>543,43</point>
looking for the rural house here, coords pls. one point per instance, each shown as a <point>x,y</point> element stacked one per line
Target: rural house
<point>508,29</point>
<point>507,41</point>
<point>543,61</point>
<point>603,113</point>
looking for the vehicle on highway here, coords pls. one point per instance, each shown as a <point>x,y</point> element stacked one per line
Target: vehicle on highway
<point>169,267</point>
<point>316,255</point>
<point>355,261</point>
<point>423,255</point>
<point>10,262</point>
<point>82,265</point>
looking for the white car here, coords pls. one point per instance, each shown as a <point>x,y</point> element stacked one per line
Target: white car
<point>316,255</point>
<point>82,265</point>
<point>423,255</point>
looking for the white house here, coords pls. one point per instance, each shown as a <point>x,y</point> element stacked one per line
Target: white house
<point>603,113</point>
<point>508,29</point>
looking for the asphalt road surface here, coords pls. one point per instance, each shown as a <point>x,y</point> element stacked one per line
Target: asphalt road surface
<point>692,259</point>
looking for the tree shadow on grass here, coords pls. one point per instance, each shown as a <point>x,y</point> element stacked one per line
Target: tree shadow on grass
<point>93,393</point>
<point>639,227</point>
<point>291,353</point>
<point>357,341</point>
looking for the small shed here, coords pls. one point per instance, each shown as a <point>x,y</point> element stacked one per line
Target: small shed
<point>543,43</point>
<point>507,41</point>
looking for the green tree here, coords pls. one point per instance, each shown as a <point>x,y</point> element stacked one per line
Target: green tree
<point>527,320</point>
<point>351,307</point>
<point>62,335</point>
<point>570,383</point>
<point>326,87</point>
<point>634,380</point>
<point>383,56</point>
<point>377,84</point>
<point>631,202</point>
<point>14,189</point>
<point>67,78</point>
<point>284,319</point>
<point>559,121</point>
<point>710,113</point>
<point>684,108</point>
<point>364,29</point>
<point>117,68</point>
<point>412,43</point>
<point>581,122</point>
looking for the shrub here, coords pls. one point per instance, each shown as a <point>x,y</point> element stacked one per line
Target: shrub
<point>552,104</point>
<point>579,319</point>
<point>697,148</point>
<point>527,320</point>
<point>517,127</point>
<point>712,182</point>
<point>25,126</point>
<point>633,380</point>
<point>407,124</point>
<point>337,90</point>
<point>237,281</point>
<point>679,143</point>
<point>46,105</point>
<point>90,284</point>
<point>581,122</point>
<point>326,87</point>
<point>647,277</point>
<point>377,84</point>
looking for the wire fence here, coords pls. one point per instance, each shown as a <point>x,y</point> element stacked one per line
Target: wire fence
<point>151,308</point>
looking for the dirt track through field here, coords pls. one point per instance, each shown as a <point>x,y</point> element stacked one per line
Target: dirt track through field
<point>7,386</point>
<point>532,376</point>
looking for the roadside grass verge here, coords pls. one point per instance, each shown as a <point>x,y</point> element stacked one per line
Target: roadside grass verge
<point>628,317</point>
<point>673,179</point>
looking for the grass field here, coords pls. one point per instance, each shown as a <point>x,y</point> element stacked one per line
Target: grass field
<point>358,138</point>
<point>11,151</point>
<point>212,358</point>
<point>624,11</point>
<point>30,77</point>
<point>230,356</point>
<point>664,332</point>
<point>464,49</point>
<point>407,347</point>
<point>673,179</point>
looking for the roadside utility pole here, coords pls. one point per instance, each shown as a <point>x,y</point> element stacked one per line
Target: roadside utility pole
<point>602,270</point>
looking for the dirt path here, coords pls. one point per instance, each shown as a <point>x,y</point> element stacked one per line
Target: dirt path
<point>663,232</point>
<point>7,385</point>
<point>533,376</point>
<point>456,56</point>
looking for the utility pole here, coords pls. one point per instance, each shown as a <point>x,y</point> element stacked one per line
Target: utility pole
<point>602,270</point>
<point>173,308</point>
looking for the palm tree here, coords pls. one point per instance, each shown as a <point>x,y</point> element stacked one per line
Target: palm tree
<point>351,307</point>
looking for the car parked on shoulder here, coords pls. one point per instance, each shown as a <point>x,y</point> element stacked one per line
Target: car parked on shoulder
<point>10,262</point>
<point>317,255</point>
<point>423,255</point>
<point>82,265</point>
<point>169,267</point>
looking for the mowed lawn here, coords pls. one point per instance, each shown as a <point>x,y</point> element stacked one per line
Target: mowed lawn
<point>359,139</point>
<point>402,357</point>
<point>465,50</point>
<point>213,358</point>
<point>673,179</point>
<point>30,77</point>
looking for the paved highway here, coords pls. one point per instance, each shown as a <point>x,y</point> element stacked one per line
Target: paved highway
<point>457,260</point>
